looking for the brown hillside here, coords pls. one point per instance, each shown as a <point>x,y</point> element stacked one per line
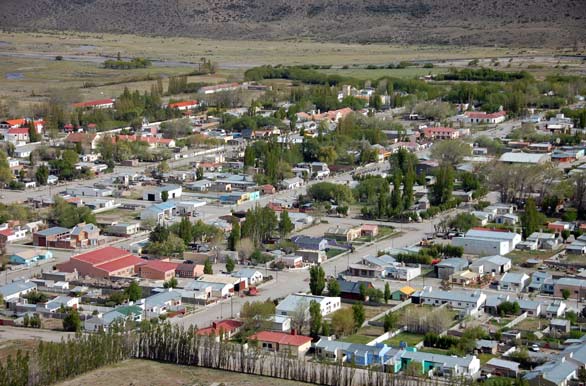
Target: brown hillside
<point>503,22</point>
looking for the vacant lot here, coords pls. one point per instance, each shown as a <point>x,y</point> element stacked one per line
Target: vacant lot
<point>364,73</point>
<point>148,373</point>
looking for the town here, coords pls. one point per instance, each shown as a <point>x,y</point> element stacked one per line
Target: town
<point>432,228</point>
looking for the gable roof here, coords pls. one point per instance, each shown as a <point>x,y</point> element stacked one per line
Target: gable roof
<point>101,255</point>
<point>281,338</point>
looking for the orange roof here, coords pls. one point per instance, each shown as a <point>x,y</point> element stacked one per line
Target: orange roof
<point>118,264</point>
<point>16,122</point>
<point>80,137</point>
<point>18,130</point>
<point>131,138</point>
<point>102,255</point>
<point>482,114</point>
<point>183,104</point>
<point>161,266</point>
<point>7,232</point>
<point>281,338</point>
<point>94,103</point>
<point>222,326</point>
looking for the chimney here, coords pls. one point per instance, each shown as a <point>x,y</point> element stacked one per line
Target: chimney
<point>293,332</point>
<point>214,325</point>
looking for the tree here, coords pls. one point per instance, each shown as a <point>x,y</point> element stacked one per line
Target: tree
<point>164,195</point>
<point>391,321</point>
<point>199,173</point>
<point>42,175</point>
<point>530,219</point>
<point>134,292</point>
<point>387,295</point>
<point>359,315</point>
<point>6,175</point>
<point>566,293</point>
<point>185,230</point>
<point>464,222</point>
<point>72,321</point>
<point>566,235</point>
<point>333,287</point>
<point>441,191</point>
<point>317,280</point>
<point>451,152</point>
<point>315,319</point>
<point>230,265</point>
<point>234,237</point>
<point>207,268</point>
<point>343,322</point>
<point>285,224</point>
<point>257,315</point>
<point>171,283</point>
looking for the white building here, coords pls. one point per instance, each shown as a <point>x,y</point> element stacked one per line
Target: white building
<point>491,264</point>
<point>156,194</point>
<point>295,302</point>
<point>470,301</point>
<point>487,242</point>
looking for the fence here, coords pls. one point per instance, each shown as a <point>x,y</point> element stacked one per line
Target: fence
<point>517,320</point>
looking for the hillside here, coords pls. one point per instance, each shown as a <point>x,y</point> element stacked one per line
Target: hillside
<point>482,22</point>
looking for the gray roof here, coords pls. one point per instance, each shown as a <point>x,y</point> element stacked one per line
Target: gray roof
<point>528,304</point>
<point>514,366</point>
<point>514,277</point>
<point>518,157</point>
<point>53,231</point>
<point>16,287</point>
<point>444,360</point>
<point>572,282</point>
<point>486,234</point>
<point>495,259</point>
<point>161,298</point>
<point>294,301</point>
<point>452,295</point>
<point>496,300</point>
<point>556,372</point>
<point>457,263</point>
<point>359,349</point>
<point>246,272</point>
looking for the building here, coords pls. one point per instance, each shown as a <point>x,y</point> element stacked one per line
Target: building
<point>88,141</point>
<point>158,270</point>
<point>292,183</point>
<point>576,287</point>
<point>486,242</point>
<point>122,314</point>
<point>222,330</point>
<point>354,290</point>
<point>313,256</point>
<point>448,267</point>
<point>252,276</point>
<point>85,235</point>
<point>525,158</point>
<point>96,104</point>
<point>30,256</point>
<point>17,289</point>
<point>514,282</point>
<point>470,301</point>
<point>359,354</point>
<point>481,117</point>
<point>124,229</point>
<point>103,263</point>
<point>156,194</point>
<point>402,293</point>
<point>189,270</point>
<point>279,342</point>
<point>444,365</point>
<point>295,302</point>
<point>310,243</point>
<point>369,230</point>
<point>491,264</point>
<point>440,133</point>
<point>50,236</point>
<point>502,368</point>
<point>544,240</point>
<point>207,90</point>
<point>184,105</point>
<point>160,213</point>
<point>163,302</point>
<point>344,233</point>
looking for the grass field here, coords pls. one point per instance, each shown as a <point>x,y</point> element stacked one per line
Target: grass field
<point>150,373</point>
<point>407,337</point>
<point>357,338</point>
<point>364,73</point>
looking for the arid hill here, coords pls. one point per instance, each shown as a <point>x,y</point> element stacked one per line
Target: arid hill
<point>482,22</point>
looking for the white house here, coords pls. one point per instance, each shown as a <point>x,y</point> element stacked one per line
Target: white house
<point>513,281</point>
<point>16,289</point>
<point>491,264</point>
<point>252,276</point>
<point>156,194</point>
<point>295,302</point>
<point>470,301</point>
<point>291,183</point>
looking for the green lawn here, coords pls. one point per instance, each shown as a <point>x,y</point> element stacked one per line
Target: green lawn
<point>407,337</point>
<point>485,358</point>
<point>361,339</point>
<point>520,257</point>
<point>334,252</point>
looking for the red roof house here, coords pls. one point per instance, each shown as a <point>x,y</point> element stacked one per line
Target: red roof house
<point>103,263</point>
<point>293,344</point>
<point>158,270</point>
<point>224,329</point>
<point>185,105</point>
<point>97,104</point>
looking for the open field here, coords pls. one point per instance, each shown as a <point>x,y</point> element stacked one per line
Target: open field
<point>364,73</point>
<point>150,373</point>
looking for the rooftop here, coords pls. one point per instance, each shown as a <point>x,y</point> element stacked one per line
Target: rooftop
<point>281,338</point>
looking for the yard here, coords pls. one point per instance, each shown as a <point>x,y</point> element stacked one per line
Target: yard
<point>357,338</point>
<point>332,252</point>
<point>409,338</point>
<point>520,257</point>
<point>369,311</point>
<point>531,324</point>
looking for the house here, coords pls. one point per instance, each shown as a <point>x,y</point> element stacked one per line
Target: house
<point>575,286</point>
<point>502,368</point>
<point>295,302</point>
<point>156,194</point>
<point>485,346</point>
<point>55,304</point>
<point>85,235</point>
<point>531,307</point>
<point>469,301</point>
<point>401,271</point>
<point>103,263</point>
<point>218,88</point>
<point>359,354</point>
<point>124,229</point>
<point>402,293</point>
<point>506,219</point>
<point>50,236</point>
<point>290,261</point>
<point>578,246</point>
<point>184,105</point>
<point>513,281</point>
<point>161,212</point>
<point>311,243</point>
<point>88,141</point>
<point>16,289</point>
<point>89,191</point>
<point>252,276</point>
<point>445,365</point>
<point>107,103</point>
<point>556,309</point>
<point>163,302</point>
<point>496,264</point>
<point>369,230</point>
<point>354,290</point>
<point>525,158</point>
<point>543,240</point>
<point>291,183</point>
<point>280,323</point>
<point>157,270</point>
<point>222,330</point>
<point>440,133</point>
<point>363,270</point>
<point>560,226</point>
<point>447,267</point>
<point>121,314</point>
<point>559,326</point>
<point>541,282</point>
<point>481,117</point>
<point>189,270</point>
<point>343,233</point>
<point>312,256</point>
<point>17,135</point>
<point>30,256</point>
<point>8,234</point>
<point>267,189</point>
<point>553,373</point>
<point>486,242</point>
<point>280,342</point>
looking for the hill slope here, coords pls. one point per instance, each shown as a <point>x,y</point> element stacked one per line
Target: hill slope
<point>503,22</point>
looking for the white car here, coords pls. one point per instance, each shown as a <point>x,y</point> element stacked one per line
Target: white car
<point>535,348</point>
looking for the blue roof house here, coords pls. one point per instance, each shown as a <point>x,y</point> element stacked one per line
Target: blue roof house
<point>30,256</point>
